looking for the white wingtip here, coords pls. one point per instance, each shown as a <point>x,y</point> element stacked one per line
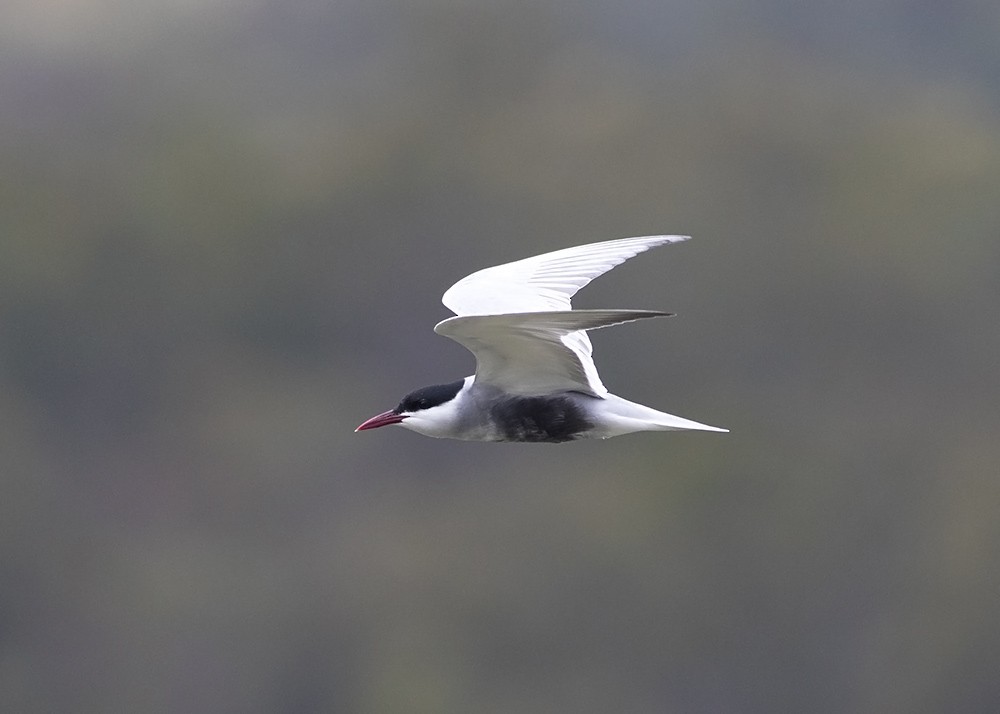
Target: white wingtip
<point>663,239</point>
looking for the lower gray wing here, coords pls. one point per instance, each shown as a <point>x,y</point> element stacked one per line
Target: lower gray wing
<point>525,352</point>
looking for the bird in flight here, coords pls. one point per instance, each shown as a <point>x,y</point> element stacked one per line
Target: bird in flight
<point>535,377</point>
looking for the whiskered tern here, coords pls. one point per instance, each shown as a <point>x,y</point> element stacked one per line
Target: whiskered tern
<point>535,377</point>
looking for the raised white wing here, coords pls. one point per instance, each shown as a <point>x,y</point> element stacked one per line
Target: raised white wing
<point>514,352</point>
<point>526,353</point>
<point>543,282</point>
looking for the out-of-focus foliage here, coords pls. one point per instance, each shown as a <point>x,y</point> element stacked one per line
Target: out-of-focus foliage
<point>224,231</point>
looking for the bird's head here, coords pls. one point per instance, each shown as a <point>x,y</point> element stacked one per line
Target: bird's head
<point>432,411</point>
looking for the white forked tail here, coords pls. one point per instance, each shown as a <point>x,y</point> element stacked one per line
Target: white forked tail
<point>621,416</point>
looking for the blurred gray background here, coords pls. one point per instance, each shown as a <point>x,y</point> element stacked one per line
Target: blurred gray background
<point>225,228</point>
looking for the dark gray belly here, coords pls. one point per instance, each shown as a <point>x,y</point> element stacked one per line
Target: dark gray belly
<point>540,419</point>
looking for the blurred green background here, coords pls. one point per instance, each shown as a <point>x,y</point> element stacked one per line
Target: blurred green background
<point>225,228</point>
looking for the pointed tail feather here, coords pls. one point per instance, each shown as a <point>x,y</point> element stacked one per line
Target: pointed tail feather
<point>623,417</point>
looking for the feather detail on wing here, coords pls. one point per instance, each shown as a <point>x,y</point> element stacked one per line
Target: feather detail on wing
<point>530,353</point>
<point>543,282</point>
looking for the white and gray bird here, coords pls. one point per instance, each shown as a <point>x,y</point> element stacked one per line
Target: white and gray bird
<point>535,377</point>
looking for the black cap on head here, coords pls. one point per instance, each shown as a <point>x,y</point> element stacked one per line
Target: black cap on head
<point>427,397</point>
